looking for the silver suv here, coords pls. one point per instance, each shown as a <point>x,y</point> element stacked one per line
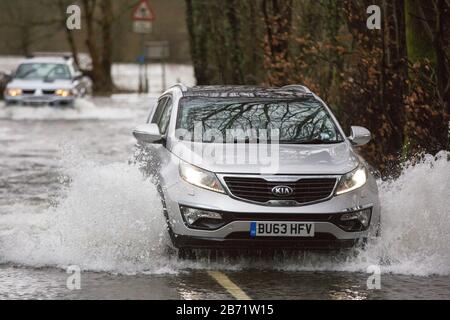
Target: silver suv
<point>251,167</point>
<point>46,80</point>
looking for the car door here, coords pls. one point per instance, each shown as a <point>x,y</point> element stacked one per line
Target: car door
<point>156,156</point>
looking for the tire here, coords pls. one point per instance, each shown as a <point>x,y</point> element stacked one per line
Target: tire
<point>166,215</point>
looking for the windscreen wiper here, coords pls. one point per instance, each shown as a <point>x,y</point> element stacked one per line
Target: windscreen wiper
<point>26,73</point>
<point>313,141</point>
<point>47,77</point>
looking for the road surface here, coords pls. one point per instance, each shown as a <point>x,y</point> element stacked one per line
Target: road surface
<point>70,195</point>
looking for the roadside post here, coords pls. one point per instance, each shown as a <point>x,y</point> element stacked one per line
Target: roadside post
<point>143,17</point>
<point>159,51</point>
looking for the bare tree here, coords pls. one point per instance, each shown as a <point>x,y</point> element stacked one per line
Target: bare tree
<point>29,24</point>
<point>278,25</point>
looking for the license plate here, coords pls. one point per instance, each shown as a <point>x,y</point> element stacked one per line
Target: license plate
<point>281,229</point>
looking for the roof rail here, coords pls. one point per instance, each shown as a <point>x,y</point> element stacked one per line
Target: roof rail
<point>297,87</point>
<point>182,87</point>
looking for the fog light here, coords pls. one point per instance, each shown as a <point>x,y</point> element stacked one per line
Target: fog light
<point>356,221</point>
<point>202,219</point>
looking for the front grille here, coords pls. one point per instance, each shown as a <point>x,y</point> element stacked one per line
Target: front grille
<point>258,216</point>
<point>48,91</point>
<point>28,91</point>
<point>305,190</point>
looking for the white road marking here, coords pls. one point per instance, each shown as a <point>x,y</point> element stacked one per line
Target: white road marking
<point>229,285</point>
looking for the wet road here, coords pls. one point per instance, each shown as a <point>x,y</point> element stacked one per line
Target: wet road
<point>25,283</point>
<point>69,197</point>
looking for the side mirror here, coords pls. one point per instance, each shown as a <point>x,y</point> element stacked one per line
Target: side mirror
<point>360,136</point>
<point>148,133</point>
<point>77,76</point>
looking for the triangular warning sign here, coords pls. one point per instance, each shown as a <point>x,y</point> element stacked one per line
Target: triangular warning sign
<point>143,12</point>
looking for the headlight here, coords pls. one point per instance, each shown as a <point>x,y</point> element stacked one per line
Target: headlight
<point>63,92</point>
<point>13,92</point>
<point>352,180</point>
<point>200,178</point>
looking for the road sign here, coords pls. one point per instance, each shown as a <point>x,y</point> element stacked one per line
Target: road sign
<point>157,50</point>
<point>143,12</point>
<point>142,26</point>
<point>143,16</point>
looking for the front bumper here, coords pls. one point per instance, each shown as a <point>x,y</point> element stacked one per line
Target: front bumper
<point>240,241</point>
<point>32,100</point>
<point>235,234</point>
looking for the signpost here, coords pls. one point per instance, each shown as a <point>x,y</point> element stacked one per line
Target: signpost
<point>159,50</point>
<point>143,17</point>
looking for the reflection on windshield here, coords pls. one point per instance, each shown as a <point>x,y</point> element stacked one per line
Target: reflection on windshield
<point>43,71</point>
<point>303,121</point>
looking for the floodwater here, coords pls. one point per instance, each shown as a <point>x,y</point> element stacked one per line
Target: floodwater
<point>70,195</point>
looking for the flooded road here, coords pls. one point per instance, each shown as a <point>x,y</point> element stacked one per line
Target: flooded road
<point>70,196</point>
<point>26,283</point>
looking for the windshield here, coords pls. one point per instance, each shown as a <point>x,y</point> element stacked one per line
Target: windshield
<point>304,121</point>
<point>43,71</point>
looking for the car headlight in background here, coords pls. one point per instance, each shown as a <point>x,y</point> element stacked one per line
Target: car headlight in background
<point>63,92</point>
<point>200,178</point>
<point>352,180</point>
<point>13,92</point>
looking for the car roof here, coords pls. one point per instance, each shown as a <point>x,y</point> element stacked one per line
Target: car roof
<point>292,91</point>
<point>60,60</point>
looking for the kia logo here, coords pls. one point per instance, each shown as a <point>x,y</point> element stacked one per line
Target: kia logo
<point>280,191</point>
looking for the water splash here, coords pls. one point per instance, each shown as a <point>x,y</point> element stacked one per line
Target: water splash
<point>416,219</point>
<point>108,218</point>
<point>83,109</point>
